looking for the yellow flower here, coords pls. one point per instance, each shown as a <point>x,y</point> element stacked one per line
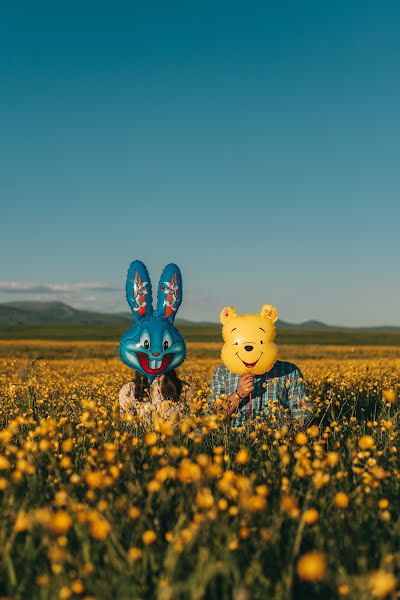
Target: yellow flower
<point>366,442</point>
<point>289,505</point>
<point>77,587</point>
<point>67,445</point>
<point>301,438</point>
<point>390,395</point>
<point>343,589</point>
<point>312,566</point>
<point>60,522</point>
<point>134,513</point>
<point>44,445</point>
<point>134,554</point>
<point>22,522</point>
<point>204,498</point>
<point>310,516</point>
<point>99,528</point>
<point>65,593</point>
<point>189,472</point>
<point>153,486</point>
<point>242,457</point>
<point>150,438</point>
<point>222,504</point>
<point>262,490</point>
<point>4,463</point>
<point>381,583</point>
<point>233,545</point>
<point>94,479</point>
<point>149,537</point>
<point>332,458</point>
<point>341,500</point>
<point>383,503</point>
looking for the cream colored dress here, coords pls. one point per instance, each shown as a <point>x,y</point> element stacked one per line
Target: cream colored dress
<point>143,410</point>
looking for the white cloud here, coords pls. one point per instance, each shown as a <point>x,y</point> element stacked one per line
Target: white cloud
<point>15,287</point>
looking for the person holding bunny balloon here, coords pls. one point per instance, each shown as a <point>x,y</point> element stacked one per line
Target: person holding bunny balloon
<point>153,347</point>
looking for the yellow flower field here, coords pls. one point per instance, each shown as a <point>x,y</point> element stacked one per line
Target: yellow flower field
<point>92,507</point>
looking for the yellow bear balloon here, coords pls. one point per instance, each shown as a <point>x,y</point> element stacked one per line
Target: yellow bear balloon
<point>249,340</point>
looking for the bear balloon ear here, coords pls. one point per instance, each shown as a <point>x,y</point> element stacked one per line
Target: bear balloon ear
<point>269,311</point>
<point>227,313</point>
<point>138,291</point>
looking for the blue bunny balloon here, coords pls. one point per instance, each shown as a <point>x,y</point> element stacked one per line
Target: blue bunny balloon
<point>152,345</point>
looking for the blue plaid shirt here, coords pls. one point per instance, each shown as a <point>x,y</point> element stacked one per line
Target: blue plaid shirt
<point>283,385</point>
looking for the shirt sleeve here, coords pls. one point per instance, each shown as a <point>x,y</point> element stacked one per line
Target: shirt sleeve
<point>218,386</point>
<point>300,405</point>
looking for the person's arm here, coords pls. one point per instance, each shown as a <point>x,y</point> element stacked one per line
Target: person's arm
<point>231,403</point>
<point>300,406</point>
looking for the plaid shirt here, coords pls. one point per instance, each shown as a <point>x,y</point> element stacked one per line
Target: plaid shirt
<point>284,383</point>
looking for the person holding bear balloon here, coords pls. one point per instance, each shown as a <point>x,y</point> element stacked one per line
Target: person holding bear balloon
<point>252,382</point>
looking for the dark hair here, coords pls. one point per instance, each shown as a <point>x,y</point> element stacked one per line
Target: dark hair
<point>171,386</point>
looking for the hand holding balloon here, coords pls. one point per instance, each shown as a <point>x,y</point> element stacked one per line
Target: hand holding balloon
<point>246,385</point>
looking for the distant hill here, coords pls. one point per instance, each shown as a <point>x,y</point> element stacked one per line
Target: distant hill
<point>53,313</point>
<point>33,313</point>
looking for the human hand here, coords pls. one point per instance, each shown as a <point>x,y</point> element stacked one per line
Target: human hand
<point>246,385</point>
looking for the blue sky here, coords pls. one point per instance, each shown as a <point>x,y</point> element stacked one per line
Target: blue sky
<point>256,144</point>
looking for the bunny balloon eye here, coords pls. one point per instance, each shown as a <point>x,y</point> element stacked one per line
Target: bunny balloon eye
<point>145,340</point>
<point>167,340</point>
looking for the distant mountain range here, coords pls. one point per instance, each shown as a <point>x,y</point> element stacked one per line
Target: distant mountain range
<point>57,313</point>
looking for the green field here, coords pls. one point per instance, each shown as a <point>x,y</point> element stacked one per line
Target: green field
<point>203,333</point>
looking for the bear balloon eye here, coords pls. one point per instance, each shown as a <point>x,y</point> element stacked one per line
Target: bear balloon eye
<point>261,342</point>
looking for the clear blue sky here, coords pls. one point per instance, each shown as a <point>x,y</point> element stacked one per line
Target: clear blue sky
<point>256,144</point>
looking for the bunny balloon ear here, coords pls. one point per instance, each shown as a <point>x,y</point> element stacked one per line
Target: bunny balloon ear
<point>138,290</point>
<point>169,295</point>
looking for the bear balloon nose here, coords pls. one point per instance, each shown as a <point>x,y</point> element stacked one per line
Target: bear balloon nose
<point>248,348</point>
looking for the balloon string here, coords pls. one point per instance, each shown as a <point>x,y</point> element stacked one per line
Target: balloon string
<point>250,411</point>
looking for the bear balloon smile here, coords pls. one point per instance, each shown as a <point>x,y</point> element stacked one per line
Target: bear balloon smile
<point>153,345</point>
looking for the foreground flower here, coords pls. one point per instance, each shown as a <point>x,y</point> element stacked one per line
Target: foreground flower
<point>150,438</point>
<point>22,522</point>
<point>312,566</point>
<point>366,442</point>
<point>301,438</point>
<point>134,554</point>
<point>382,583</point>
<point>310,516</point>
<point>390,395</point>
<point>149,537</point>
<point>242,457</point>
<point>342,500</point>
<point>60,522</point>
<point>99,528</point>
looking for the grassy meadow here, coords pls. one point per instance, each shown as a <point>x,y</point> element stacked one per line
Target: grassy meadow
<point>95,508</point>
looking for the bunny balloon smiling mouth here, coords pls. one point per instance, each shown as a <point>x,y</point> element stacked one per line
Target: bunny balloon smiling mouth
<point>158,366</point>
